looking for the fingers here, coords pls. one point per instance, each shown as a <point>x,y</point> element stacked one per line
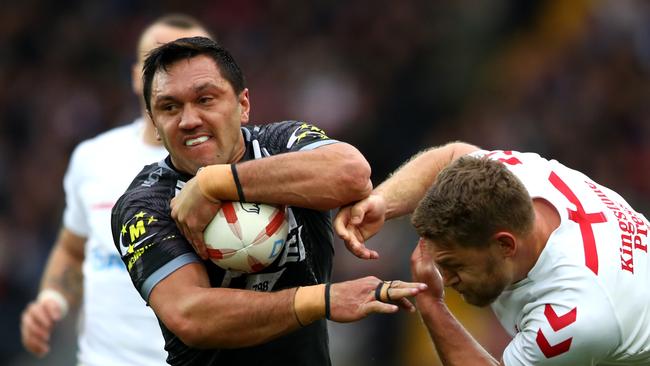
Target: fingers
<point>379,307</point>
<point>199,246</point>
<point>357,223</point>
<point>418,252</point>
<point>420,260</point>
<point>423,269</point>
<point>341,222</point>
<point>356,299</point>
<point>394,291</point>
<point>395,294</point>
<point>357,247</point>
<point>351,235</point>
<point>192,217</point>
<point>35,328</point>
<point>406,304</point>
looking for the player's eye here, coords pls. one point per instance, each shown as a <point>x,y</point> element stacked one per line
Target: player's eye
<point>169,107</point>
<point>205,100</point>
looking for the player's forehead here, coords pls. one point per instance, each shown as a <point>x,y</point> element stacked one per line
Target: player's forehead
<point>446,257</point>
<point>159,34</point>
<point>453,255</point>
<point>187,77</point>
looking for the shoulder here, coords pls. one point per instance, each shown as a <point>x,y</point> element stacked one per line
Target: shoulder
<point>266,131</point>
<point>115,134</point>
<point>107,141</point>
<point>290,135</point>
<point>561,328</point>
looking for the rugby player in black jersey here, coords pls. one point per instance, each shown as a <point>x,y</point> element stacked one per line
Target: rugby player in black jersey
<point>198,102</point>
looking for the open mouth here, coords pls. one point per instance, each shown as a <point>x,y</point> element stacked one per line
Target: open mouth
<point>196,141</point>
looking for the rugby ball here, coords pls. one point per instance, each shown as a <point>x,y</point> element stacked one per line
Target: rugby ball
<point>246,237</point>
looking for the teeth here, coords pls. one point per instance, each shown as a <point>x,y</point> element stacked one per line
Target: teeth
<point>196,141</point>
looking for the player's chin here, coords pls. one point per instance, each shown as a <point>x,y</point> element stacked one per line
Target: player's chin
<point>480,300</point>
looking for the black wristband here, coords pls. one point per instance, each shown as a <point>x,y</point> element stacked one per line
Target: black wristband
<point>327,300</point>
<point>235,176</point>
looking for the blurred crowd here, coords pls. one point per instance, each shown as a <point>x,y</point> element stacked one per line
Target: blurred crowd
<point>567,79</point>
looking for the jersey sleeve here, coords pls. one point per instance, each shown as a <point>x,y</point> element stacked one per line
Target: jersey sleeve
<point>150,244</point>
<point>287,136</point>
<point>564,333</point>
<point>74,218</point>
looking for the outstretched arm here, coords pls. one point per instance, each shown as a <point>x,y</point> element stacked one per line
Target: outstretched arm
<point>454,344</point>
<point>187,305</point>
<point>405,187</point>
<point>395,197</point>
<point>61,285</point>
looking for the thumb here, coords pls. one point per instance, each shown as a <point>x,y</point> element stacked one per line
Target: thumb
<point>53,309</point>
<point>340,226</point>
<point>379,308</point>
<point>358,212</point>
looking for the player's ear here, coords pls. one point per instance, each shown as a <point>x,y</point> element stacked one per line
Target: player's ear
<point>507,243</point>
<point>245,106</point>
<point>136,79</point>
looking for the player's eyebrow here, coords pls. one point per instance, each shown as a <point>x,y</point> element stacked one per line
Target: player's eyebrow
<point>446,261</point>
<point>206,86</point>
<point>164,98</point>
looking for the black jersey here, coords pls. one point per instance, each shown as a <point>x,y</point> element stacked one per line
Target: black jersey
<point>152,247</point>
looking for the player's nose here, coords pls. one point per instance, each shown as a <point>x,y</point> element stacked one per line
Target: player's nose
<point>190,118</point>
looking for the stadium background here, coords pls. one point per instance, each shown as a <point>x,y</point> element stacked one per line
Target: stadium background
<point>567,79</point>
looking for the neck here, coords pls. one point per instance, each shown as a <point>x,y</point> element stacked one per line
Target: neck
<point>242,149</point>
<point>546,221</point>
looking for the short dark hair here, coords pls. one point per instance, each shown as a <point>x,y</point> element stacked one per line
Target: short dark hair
<point>185,48</point>
<point>472,199</point>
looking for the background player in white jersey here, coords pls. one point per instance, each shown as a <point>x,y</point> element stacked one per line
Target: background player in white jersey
<point>562,260</point>
<point>116,328</point>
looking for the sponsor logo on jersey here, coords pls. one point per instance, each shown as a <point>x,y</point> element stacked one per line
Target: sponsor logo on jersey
<point>305,131</point>
<point>134,234</point>
<point>101,260</point>
<point>153,177</point>
<point>632,226</point>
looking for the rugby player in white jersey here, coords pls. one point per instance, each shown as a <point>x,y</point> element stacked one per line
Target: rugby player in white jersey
<point>561,259</point>
<point>116,328</point>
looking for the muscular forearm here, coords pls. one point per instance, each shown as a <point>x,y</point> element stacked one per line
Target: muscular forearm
<point>404,189</point>
<point>63,272</point>
<point>454,344</point>
<point>205,317</point>
<point>247,318</point>
<point>321,179</point>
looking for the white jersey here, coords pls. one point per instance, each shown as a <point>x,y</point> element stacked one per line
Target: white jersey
<point>116,327</point>
<point>587,299</point>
